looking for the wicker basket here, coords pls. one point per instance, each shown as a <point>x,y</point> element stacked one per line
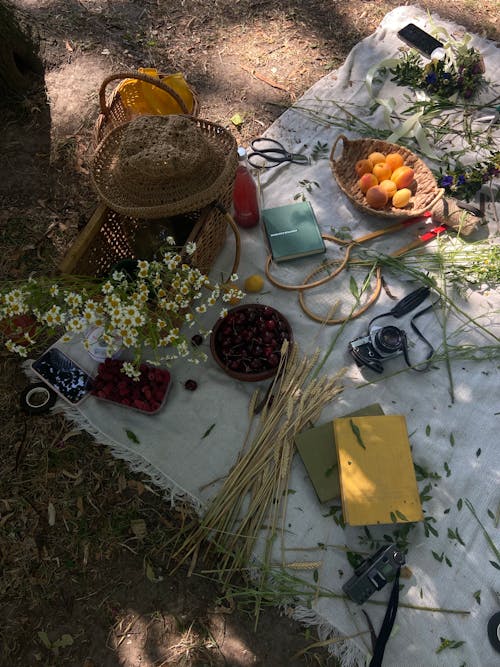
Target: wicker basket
<point>425,190</point>
<point>110,237</point>
<point>113,112</point>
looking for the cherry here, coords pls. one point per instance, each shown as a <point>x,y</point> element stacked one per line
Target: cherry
<point>249,339</point>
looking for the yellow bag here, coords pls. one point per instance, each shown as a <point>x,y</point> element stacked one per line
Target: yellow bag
<point>145,98</point>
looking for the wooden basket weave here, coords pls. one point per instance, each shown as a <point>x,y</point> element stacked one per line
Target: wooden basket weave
<point>110,237</point>
<point>424,188</point>
<point>113,112</point>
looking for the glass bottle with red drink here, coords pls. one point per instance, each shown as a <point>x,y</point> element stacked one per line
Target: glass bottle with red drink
<point>245,194</point>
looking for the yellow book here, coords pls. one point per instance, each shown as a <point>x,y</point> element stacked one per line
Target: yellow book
<point>377,478</point>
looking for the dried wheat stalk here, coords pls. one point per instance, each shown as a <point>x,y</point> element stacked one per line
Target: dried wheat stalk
<point>253,496</point>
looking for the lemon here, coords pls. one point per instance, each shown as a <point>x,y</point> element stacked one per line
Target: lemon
<point>254,283</point>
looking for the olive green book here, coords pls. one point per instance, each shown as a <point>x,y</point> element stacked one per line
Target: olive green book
<point>292,231</point>
<point>316,447</point>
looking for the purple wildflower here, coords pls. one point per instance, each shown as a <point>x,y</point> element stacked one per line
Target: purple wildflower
<point>446,181</point>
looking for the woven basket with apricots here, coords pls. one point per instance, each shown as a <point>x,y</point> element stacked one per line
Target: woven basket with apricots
<point>383,179</point>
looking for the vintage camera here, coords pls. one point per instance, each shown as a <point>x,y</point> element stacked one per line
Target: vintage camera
<point>379,344</point>
<point>373,573</point>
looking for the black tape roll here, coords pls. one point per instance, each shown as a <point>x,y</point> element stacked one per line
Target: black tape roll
<point>494,631</point>
<point>45,398</point>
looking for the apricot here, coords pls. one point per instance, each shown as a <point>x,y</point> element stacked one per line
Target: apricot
<point>376,197</point>
<point>403,176</point>
<point>363,167</point>
<point>376,157</point>
<point>401,198</point>
<point>382,171</point>
<point>389,186</point>
<point>394,160</point>
<point>367,181</point>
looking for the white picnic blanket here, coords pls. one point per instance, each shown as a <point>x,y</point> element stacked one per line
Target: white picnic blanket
<point>453,413</point>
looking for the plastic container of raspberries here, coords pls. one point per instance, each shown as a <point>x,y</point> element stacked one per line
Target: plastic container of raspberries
<point>247,342</point>
<point>147,395</point>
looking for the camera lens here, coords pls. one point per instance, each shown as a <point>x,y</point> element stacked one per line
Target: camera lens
<point>389,339</point>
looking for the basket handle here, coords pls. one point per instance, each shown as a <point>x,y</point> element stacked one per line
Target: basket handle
<point>230,220</point>
<point>438,196</point>
<point>345,141</point>
<point>105,109</point>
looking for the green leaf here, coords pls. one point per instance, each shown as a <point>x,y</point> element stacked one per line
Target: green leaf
<point>401,515</point>
<point>429,529</point>
<point>150,574</point>
<point>315,575</point>
<point>448,643</point>
<point>63,641</point>
<point>477,596</point>
<point>438,557</point>
<point>495,565</point>
<point>452,440</point>
<point>44,638</point>
<point>354,288</point>
<point>491,514</point>
<point>478,452</point>
<point>447,469</point>
<point>427,430</point>
<point>357,433</point>
<point>393,517</point>
<point>459,504</point>
<point>237,119</point>
<point>132,436</point>
<point>208,431</point>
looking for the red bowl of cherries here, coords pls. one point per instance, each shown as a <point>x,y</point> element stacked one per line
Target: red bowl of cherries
<point>246,343</point>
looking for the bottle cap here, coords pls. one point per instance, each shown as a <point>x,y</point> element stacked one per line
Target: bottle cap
<point>242,153</point>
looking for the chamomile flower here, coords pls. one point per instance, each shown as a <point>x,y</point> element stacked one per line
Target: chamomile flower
<point>107,288</point>
<point>75,325</point>
<point>118,276</point>
<point>53,317</point>
<point>131,371</point>
<point>136,312</point>
<point>143,266</point>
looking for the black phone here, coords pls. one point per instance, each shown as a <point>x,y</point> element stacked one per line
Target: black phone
<point>419,39</point>
<point>63,374</point>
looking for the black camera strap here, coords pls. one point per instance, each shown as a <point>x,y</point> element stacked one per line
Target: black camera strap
<point>387,624</point>
<point>406,305</point>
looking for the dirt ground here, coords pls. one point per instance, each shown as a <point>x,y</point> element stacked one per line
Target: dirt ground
<point>90,585</point>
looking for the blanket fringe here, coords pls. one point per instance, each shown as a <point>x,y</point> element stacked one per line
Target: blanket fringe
<point>346,651</point>
<point>173,493</point>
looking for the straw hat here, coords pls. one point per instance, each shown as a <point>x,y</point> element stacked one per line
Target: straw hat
<point>156,166</point>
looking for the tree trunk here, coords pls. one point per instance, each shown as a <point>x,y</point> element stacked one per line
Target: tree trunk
<point>18,53</point>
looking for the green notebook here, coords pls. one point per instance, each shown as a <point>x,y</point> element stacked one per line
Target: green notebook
<point>292,231</point>
<point>317,449</point>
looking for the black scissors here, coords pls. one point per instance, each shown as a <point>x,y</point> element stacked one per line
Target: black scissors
<point>268,153</point>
